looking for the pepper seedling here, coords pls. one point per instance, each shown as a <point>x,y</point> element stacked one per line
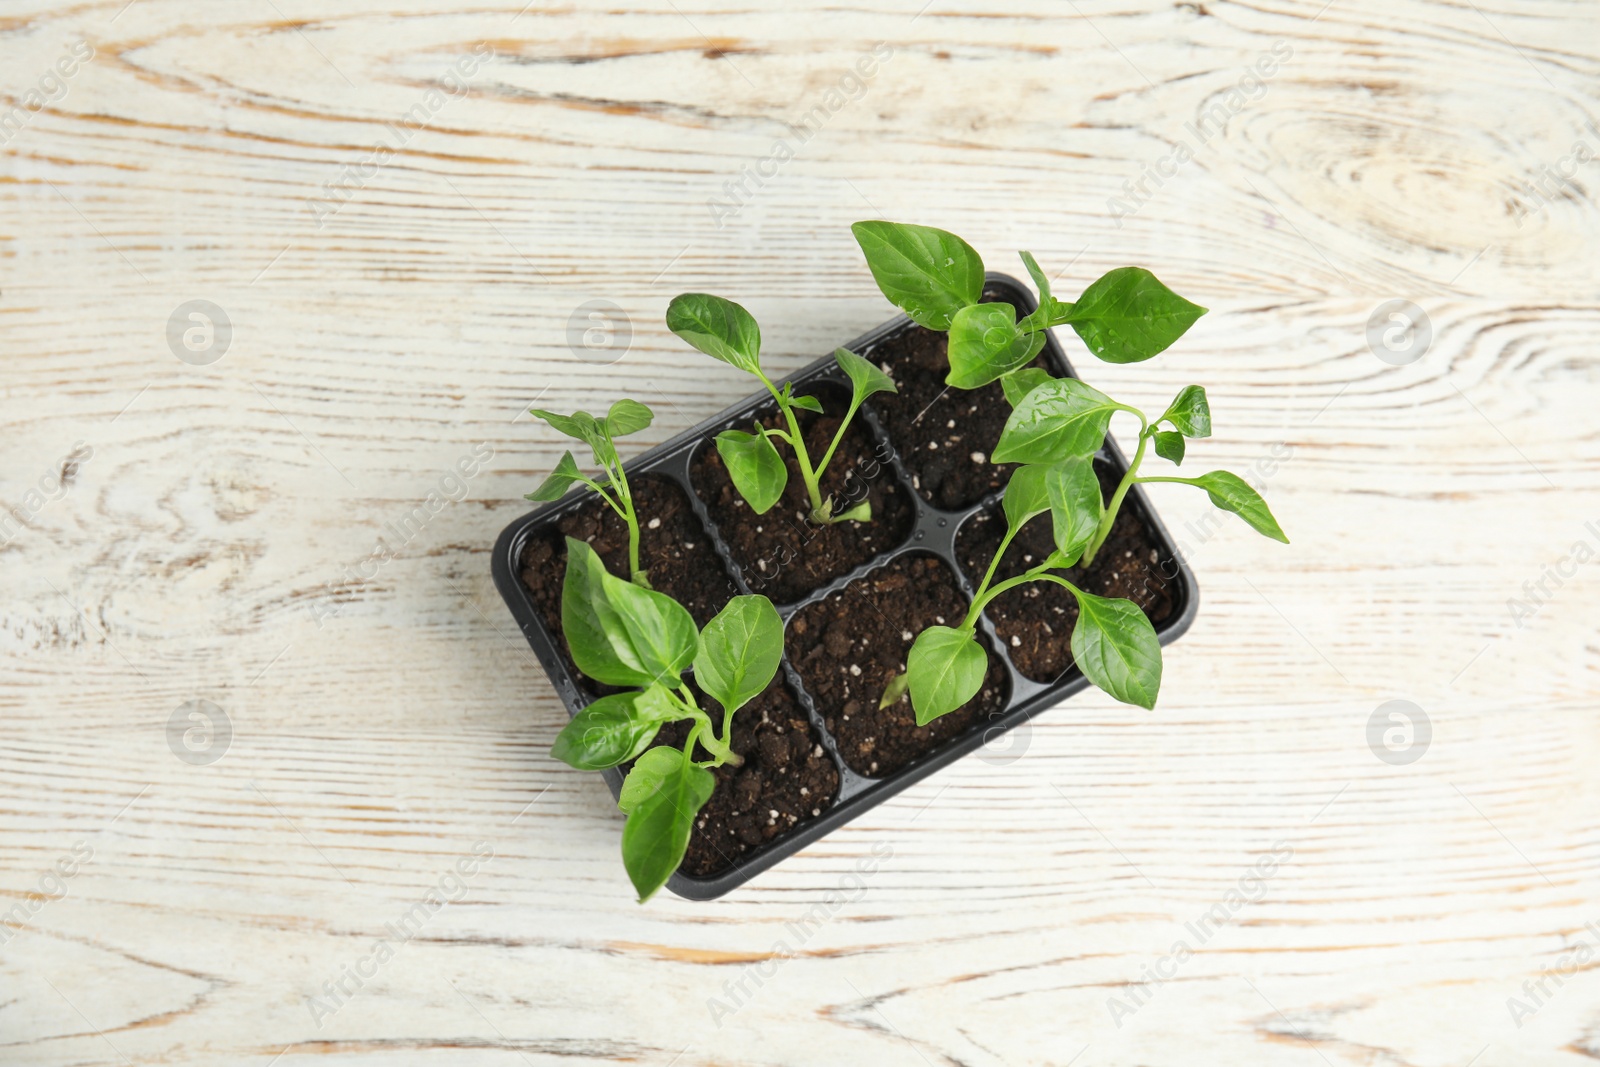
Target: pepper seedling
<point>724,330</point>
<point>624,635</point>
<point>625,417</point>
<point>1055,428</point>
<point>1125,316</point>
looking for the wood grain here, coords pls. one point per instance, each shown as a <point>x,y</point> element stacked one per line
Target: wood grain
<point>383,729</point>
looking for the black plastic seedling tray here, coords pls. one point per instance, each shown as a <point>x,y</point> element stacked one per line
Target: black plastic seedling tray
<point>932,533</point>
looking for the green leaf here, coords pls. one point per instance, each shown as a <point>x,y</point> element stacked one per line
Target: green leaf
<point>560,480</point>
<point>1026,495</point>
<point>739,651</point>
<point>985,344</point>
<point>1232,493</point>
<point>660,820</point>
<point>647,774</point>
<point>614,729</point>
<point>1169,445</point>
<point>1127,316</point>
<point>580,426</point>
<point>898,686</point>
<point>1019,383</point>
<point>1040,282</point>
<point>1076,506</point>
<point>946,669</point>
<point>1059,420</point>
<point>755,467</point>
<point>617,632</point>
<point>866,377</point>
<point>809,403</point>
<point>1189,412</point>
<point>718,327</point>
<point>627,416</point>
<point>927,273</point>
<point>1049,313</point>
<point>862,512</point>
<point>1116,648</point>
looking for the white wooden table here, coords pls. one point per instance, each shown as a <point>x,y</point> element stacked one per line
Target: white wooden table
<point>391,309</point>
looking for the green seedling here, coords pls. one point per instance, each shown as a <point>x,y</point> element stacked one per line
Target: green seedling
<point>625,417</point>
<point>1126,316</point>
<point>1055,428</point>
<point>726,331</point>
<point>624,635</point>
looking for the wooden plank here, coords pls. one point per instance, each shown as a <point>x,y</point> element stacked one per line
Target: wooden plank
<point>388,320</point>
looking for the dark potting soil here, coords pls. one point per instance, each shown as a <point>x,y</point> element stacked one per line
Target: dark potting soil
<point>848,646</point>
<point>783,555</point>
<point>785,770</point>
<point>786,780</point>
<point>1035,621</point>
<point>943,435</point>
<point>674,550</point>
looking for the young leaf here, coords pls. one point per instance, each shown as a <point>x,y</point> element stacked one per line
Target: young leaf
<point>809,403</point>
<point>647,775</point>
<point>927,273</point>
<point>1051,312</point>
<point>898,686</point>
<point>1189,412</point>
<point>1040,282</point>
<point>1169,445</point>
<point>985,344</point>
<point>946,669</point>
<point>862,512</point>
<point>605,450</point>
<point>866,377</point>
<point>617,632</point>
<point>739,651</point>
<point>755,467</point>
<point>560,480</point>
<point>1026,495</point>
<point>614,729</point>
<point>657,832</point>
<point>627,416</point>
<point>1019,383</point>
<point>1116,648</point>
<point>1076,506</point>
<point>580,426</point>
<point>1232,493</point>
<point>1127,316</point>
<point>718,327</point>
<point>1056,421</point>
